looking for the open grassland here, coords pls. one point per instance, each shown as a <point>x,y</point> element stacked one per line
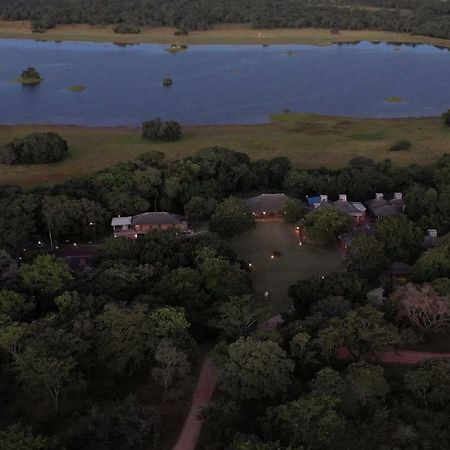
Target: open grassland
<point>275,275</point>
<point>309,140</point>
<point>220,34</point>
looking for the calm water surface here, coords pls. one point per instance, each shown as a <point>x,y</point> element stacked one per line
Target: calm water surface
<point>219,84</point>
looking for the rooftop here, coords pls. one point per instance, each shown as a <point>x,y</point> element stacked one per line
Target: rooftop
<point>267,203</point>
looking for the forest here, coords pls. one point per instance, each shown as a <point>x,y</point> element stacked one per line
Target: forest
<point>424,17</point>
<point>93,358</point>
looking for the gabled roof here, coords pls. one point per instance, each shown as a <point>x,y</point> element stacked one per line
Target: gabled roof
<point>157,218</point>
<point>267,203</point>
<point>346,207</point>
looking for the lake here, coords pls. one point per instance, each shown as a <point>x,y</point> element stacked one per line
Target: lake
<point>219,84</point>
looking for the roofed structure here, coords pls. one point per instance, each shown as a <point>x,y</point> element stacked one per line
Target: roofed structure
<point>267,205</point>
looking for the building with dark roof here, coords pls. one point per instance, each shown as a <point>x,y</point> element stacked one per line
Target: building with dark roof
<point>356,210</point>
<point>133,226</point>
<point>380,207</point>
<point>267,206</point>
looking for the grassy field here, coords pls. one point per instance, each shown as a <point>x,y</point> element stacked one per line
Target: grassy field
<point>221,34</point>
<point>309,140</point>
<point>275,275</point>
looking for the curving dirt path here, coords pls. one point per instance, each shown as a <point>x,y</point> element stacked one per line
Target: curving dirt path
<point>203,392</point>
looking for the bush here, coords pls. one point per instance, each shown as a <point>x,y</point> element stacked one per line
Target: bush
<point>30,76</point>
<point>181,32</point>
<point>156,130</point>
<point>124,28</point>
<point>401,145</point>
<point>167,82</point>
<point>36,148</point>
<point>446,118</point>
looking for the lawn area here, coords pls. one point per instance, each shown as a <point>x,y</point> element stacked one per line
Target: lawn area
<point>309,140</point>
<point>220,34</point>
<point>275,275</point>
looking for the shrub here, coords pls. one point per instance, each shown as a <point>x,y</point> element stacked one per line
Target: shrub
<point>446,118</point>
<point>167,82</point>
<point>401,145</point>
<point>124,28</point>
<point>36,148</point>
<point>156,130</point>
<point>30,76</point>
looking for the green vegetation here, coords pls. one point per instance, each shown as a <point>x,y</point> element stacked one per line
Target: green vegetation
<point>156,130</point>
<point>308,140</point>
<point>77,88</point>
<point>30,77</point>
<point>124,28</point>
<point>35,148</point>
<point>220,34</point>
<point>401,145</point>
<point>394,99</point>
<point>296,261</point>
<point>428,17</point>
<point>102,357</point>
<point>167,82</point>
<point>446,118</point>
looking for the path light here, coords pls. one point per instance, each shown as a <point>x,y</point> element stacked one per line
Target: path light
<point>271,256</point>
<point>39,243</point>
<point>300,243</point>
<point>249,264</point>
<point>74,244</point>
<point>323,277</point>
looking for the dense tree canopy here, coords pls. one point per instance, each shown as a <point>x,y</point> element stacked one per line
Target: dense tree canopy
<point>429,17</point>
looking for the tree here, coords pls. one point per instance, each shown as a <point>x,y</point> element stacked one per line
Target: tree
<point>328,382</point>
<point>172,364</point>
<point>35,148</point>
<point>156,130</point>
<point>14,306</point>
<point>45,275</point>
<point>30,76</point>
<point>422,306</point>
<point>52,374</point>
<point>237,317</point>
<point>307,293</point>
<point>325,224</point>
<point>363,333</point>
<point>366,257</point>
<point>230,218</point>
<point>12,337</point>
<point>400,238</point>
<point>446,118</point>
<point>366,383</point>
<point>125,424</point>
<point>18,437</point>
<point>8,265</point>
<point>429,382</point>
<point>311,422</point>
<point>255,370</point>
<point>293,211</point>
<point>433,264</point>
<point>126,339</point>
<point>200,208</point>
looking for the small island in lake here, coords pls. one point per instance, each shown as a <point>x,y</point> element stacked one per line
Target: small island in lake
<point>394,99</point>
<point>76,88</point>
<point>167,82</point>
<point>30,77</point>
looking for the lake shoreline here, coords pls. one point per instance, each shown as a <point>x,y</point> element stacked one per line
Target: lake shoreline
<point>221,34</point>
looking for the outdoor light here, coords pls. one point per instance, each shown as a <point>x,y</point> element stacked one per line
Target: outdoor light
<point>115,235</point>
<point>39,243</point>
<point>135,235</point>
<point>91,223</point>
<point>249,264</point>
<point>297,228</point>
<point>300,243</point>
<point>272,256</point>
<point>323,277</point>
<point>74,244</point>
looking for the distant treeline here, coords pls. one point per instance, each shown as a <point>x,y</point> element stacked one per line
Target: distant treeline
<point>426,17</point>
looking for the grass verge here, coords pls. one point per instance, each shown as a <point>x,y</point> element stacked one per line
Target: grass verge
<point>220,34</point>
<point>309,140</point>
